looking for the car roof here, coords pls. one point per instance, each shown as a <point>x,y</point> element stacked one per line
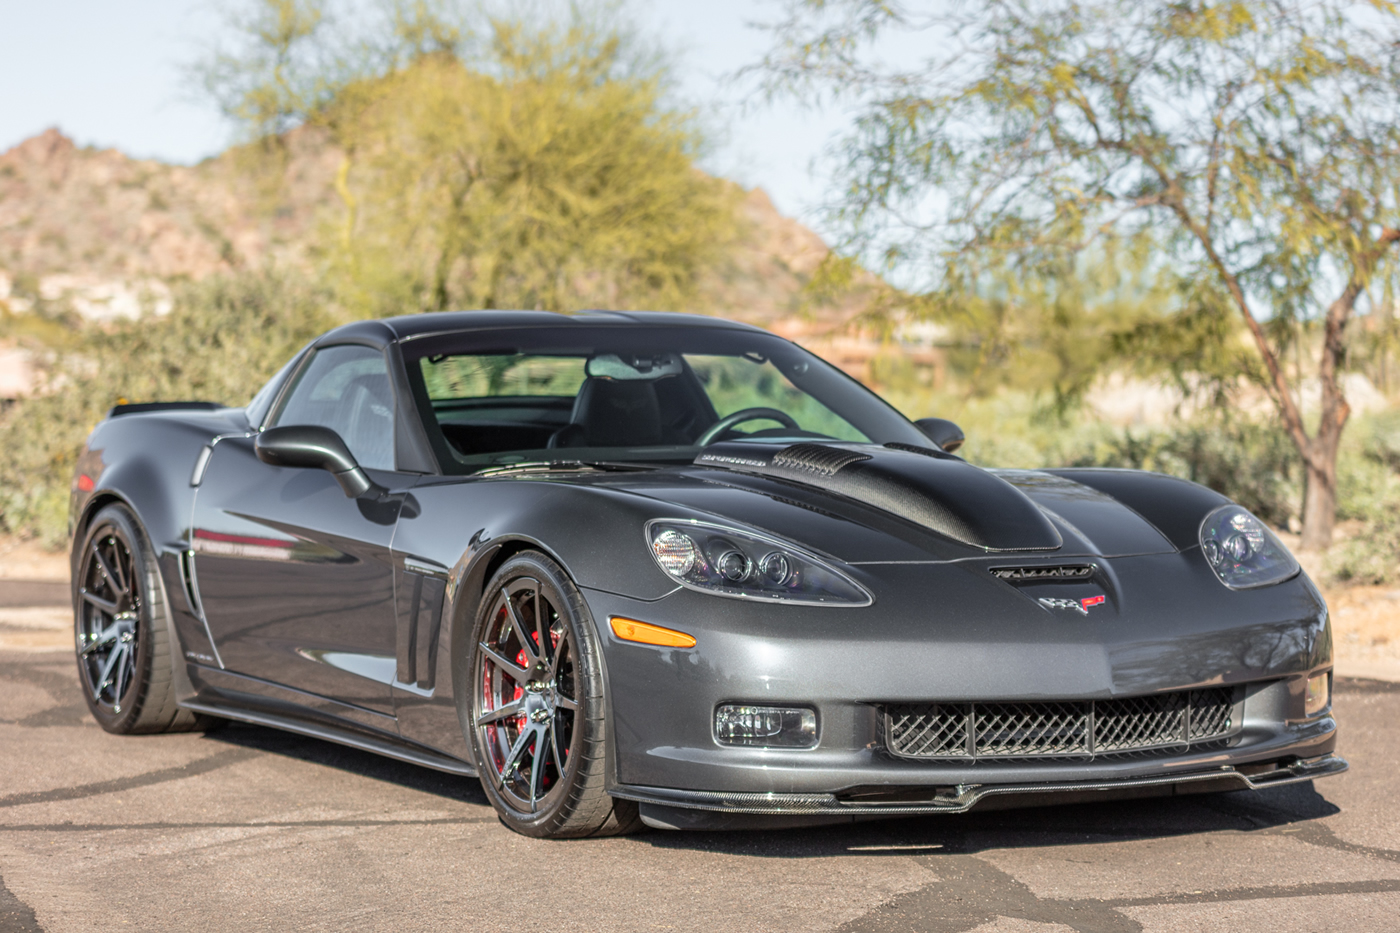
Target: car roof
<point>407,327</point>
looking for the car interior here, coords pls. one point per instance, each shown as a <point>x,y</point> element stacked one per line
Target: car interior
<point>640,402</point>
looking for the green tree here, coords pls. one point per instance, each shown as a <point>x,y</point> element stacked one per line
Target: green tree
<point>509,166</point>
<point>1257,140</point>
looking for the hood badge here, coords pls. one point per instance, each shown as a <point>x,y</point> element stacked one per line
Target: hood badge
<point>1081,606</point>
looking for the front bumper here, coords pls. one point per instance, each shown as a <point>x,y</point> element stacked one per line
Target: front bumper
<point>669,808</point>
<point>847,664</point>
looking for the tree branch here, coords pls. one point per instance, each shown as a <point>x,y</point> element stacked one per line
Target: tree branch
<point>1292,417</point>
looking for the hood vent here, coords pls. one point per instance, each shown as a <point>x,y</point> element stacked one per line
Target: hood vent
<point>817,458</point>
<point>949,496</point>
<point>1067,573</point>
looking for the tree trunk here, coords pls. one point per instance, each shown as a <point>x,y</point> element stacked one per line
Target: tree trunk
<point>1320,453</point>
<point>1319,498</point>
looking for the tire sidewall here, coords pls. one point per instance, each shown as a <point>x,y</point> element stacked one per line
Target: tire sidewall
<point>588,723</point>
<point>119,519</point>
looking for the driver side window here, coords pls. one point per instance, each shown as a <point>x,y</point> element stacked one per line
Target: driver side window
<point>347,390</point>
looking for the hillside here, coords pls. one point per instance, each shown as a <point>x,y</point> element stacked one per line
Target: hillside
<point>101,228</point>
<point>107,234</point>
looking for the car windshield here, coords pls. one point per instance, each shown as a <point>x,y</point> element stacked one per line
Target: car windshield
<point>631,393</point>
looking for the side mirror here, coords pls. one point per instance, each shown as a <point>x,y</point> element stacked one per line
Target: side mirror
<point>942,432</point>
<point>310,445</point>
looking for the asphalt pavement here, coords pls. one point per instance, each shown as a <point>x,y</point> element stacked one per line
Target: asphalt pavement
<point>248,829</point>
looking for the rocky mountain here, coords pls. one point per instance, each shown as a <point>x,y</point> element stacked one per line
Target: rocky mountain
<point>109,234</point>
<point>99,227</point>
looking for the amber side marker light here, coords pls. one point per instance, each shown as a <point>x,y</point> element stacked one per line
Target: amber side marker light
<point>648,634</point>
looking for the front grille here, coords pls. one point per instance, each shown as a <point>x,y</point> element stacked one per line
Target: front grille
<point>1064,729</point>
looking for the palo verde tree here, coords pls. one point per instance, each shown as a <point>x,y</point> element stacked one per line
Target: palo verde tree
<point>1258,141</point>
<point>514,165</point>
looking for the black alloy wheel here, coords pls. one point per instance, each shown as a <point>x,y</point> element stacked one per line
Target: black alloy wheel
<point>109,611</point>
<point>120,632</point>
<point>536,707</point>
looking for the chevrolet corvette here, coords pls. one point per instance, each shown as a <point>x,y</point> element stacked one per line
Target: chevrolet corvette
<point>656,569</point>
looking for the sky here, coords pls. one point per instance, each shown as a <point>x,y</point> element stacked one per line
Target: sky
<point>114,74</point>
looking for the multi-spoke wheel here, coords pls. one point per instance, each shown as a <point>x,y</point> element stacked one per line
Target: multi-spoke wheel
<point>536,707</point>
<point>121,635</point>
<point>108,614</point>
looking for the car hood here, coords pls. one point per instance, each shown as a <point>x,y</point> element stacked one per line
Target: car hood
<point>869,504</point>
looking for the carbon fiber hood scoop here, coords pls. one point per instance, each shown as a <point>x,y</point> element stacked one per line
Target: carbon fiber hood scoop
<point>937,491</point>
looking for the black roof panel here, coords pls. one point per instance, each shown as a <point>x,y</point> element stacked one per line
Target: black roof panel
<point>446,322</point>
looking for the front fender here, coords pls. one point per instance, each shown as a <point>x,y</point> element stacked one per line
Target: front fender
<point>464,529</point>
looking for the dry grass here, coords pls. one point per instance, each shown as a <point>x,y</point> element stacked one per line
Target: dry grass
<point>25,559</point>
<point>1365,625</point>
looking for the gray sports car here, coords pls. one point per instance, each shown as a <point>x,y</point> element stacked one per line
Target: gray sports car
<point>669,570</point>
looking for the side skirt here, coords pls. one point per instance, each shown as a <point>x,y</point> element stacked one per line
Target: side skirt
<point>415,756</point>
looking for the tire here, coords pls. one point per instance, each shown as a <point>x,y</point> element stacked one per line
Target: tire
<point>536,715</point>
<point>121,630</point>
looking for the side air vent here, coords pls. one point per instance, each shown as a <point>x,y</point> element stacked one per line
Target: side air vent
<point>817,458</point>
<point>1044,574</point>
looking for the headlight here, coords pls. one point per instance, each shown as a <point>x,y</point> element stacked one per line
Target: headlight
<point>1242,551</point>
<point>748,565</point>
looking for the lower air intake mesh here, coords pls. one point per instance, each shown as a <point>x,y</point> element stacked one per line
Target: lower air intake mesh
<point>1072,728</point>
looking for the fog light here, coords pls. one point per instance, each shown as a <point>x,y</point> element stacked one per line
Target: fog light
<point>767,726</point>
<point>1319,693</point>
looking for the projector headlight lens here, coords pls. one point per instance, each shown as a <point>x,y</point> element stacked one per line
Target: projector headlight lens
<point>1242,550</point>
<point>748,565</point>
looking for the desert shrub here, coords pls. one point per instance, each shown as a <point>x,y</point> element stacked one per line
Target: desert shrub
<point>1370,556</point>
<point>1368,486</point>
<point>221,341</point>
<point>1253,463</point>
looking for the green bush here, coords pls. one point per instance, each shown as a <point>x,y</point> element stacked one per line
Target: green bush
<point>1373,555</point>
<point>1254,464</point>
<point>1368,485</point>
<point>221,341</point>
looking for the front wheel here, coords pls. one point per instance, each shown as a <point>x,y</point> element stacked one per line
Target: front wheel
<point>536,706</point>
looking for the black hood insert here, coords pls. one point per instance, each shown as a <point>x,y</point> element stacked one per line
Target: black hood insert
<point>934,490</point>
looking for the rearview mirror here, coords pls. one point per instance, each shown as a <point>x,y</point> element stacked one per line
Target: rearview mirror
<point>942,432</point>
<point>310,445</point>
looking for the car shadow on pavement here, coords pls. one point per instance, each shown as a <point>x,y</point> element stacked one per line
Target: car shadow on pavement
<point>352,760</point>
<point>1066,825</point>
<point>962,834</point>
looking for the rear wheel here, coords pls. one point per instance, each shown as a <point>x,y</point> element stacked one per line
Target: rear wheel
<point>537,706</point>
<point>120,630</point>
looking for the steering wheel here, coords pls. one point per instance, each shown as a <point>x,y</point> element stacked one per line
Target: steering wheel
<point>716,430</point>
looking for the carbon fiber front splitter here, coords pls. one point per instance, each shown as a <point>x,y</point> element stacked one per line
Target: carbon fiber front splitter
<point>668,808</point>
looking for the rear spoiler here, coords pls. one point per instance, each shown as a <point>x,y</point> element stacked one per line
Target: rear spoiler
<point>137,407</point>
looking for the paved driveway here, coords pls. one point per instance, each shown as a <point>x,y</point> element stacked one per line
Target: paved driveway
<point>251,829</point>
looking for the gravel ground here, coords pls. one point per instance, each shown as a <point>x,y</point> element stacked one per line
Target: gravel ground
<point>250,829</point>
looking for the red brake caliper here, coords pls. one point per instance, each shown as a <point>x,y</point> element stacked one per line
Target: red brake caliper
<point>523,661</point>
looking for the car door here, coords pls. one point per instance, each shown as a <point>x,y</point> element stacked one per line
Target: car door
<point>295,579</point>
